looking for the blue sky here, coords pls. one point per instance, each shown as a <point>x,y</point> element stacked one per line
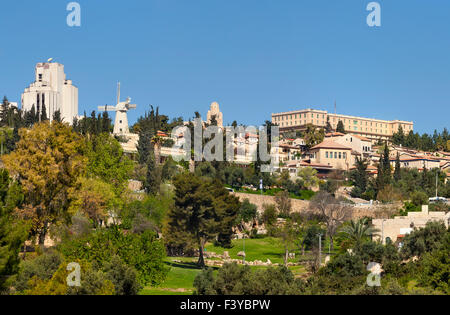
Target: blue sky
<point>254,57</point>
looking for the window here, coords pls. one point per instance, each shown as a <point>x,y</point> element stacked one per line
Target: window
<point>40,77</point>
<point>335,155</point>
<point>340,155</point>
<point>326,154</point>
<point>345,155</point>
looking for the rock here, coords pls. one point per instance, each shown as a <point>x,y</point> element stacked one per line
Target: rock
<point>241,254</point>
<point>226,255</point>
<point>268,262</point>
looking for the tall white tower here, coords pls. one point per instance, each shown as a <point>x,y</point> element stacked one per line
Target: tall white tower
<point>52,90</point>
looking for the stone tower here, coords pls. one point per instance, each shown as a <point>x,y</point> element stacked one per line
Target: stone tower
<point>215,111</point>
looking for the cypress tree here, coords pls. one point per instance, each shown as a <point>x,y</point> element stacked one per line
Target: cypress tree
<point>397,173</point>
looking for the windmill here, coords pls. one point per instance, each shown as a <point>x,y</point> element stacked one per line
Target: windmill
<point>121,109</point>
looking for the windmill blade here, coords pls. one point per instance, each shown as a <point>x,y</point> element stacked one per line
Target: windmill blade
<point>107,108</point>
<point>131,106</point>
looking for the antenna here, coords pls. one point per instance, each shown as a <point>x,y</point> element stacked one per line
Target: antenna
<point>118,92</point>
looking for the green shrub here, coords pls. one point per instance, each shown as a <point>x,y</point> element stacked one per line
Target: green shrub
<point>144,252</point>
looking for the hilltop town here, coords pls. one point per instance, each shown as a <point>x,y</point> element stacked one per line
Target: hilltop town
<point>308,203</point>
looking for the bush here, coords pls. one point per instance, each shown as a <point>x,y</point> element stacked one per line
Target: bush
<point>93,282</point>
<point>124,278</point>
<point>42,267</point>
<point>233,279</point>
<point>144,252</point>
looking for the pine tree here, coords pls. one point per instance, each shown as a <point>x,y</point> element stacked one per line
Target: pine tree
<point>340,127</point>
<point>202,211</point>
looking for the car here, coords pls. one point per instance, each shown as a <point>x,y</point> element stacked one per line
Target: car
<point>437,199</point>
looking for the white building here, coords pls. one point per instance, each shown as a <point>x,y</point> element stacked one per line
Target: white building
<point>52,90</point>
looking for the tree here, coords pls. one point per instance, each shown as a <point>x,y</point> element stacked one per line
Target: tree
<point>287,233</point>
<point>360,178</point>
<point>13,232</point>
<point>309,177</point>
<point>313,136</point>
<point>328,128</point>
<point>108,162</point>
<point>144,252</point>
<point>47,162</point>
<point>203,209</point>
<point>153,178</point>
<point>424,240</point>
<point>248,212</point>
<point>44,115</point>
<point>284,204</point>
<point>269,217</point>
<point>358,231</point>
<point>232,279</point>
<point>397,171</point>
<point>96,200</point>
<point>333,212</point>
<point>398,138</point>
<point>57,116</point>
<point>340,127</point>
<point>4,106</point>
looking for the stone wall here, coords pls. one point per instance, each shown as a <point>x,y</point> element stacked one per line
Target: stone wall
<point>372,211</point>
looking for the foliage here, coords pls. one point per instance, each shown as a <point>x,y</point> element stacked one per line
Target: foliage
<point>108,162</point>
<point>424,240</point>
<point>144,252</point>
<point>124,278</point>
<point>93,282</point>
<point>13,232</point>
<point>358,231</point>
<point>95,199</point>
<point>236,280</point>
<point>284,204</point>
<point>308,175</point>
<point>203,209</point>
<point>248,212</point>
<point>149,213</point>
<point>333,212</point>
<point>359,177</point>
<point>42,267</point>
<point>47,162</point>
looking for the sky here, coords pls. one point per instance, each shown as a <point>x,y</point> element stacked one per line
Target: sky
<point>254,57</point>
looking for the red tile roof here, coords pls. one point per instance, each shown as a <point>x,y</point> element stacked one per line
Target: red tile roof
<point>327,144</point>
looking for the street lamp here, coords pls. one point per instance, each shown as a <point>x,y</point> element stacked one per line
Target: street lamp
<point>320,248</point>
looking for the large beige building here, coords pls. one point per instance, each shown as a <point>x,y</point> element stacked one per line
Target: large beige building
<point>395,229</point>
<point>52,90</point>
<point>374,129</point>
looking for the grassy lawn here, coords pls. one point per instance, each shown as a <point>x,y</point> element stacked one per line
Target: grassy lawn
<point>182,273</point>
<point>255,249</point>
<point>179,280</point>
